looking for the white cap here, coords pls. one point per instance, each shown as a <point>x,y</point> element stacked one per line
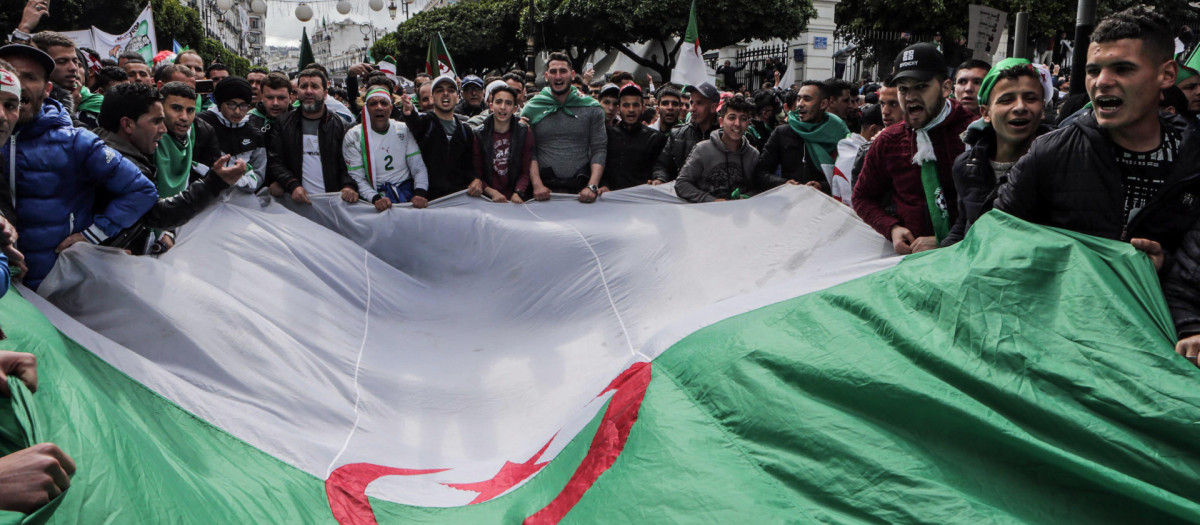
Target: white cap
<point>487,93</point>
<point>446,77</point>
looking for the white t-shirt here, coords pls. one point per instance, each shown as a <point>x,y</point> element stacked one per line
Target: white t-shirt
<point>395,157</point>
<point>313,176</point>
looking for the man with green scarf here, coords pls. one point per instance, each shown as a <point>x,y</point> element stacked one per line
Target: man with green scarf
<point>1188,81</point>
<point>804,149</point>
<point>572,143</point>
<point>909,166</point>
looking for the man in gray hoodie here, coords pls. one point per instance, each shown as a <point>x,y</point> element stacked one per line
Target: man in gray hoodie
<point>722,167</point>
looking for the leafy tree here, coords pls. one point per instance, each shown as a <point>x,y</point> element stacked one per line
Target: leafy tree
<point>857,19</point>
<point>479,35</point>
<point>582,26</point>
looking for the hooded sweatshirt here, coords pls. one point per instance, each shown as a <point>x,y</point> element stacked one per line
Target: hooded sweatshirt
<point>713,172</point>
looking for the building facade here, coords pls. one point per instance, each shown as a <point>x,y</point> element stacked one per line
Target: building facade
<point>339,45</point>
<point>238,28</point>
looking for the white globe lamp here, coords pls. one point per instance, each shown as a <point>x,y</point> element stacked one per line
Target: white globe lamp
<point>304,12</point>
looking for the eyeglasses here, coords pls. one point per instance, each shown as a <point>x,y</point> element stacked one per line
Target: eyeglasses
<point>234,106</point>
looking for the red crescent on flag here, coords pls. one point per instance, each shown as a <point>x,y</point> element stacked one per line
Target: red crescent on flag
<point>346,487</point>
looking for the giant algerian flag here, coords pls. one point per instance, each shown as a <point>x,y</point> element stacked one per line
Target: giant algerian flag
<point>638,360</point>
<point>689,66</point>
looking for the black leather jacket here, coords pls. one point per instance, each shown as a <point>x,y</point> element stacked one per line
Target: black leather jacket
<point>285,152</point>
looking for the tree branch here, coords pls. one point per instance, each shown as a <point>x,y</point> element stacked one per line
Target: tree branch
<point>635,57</point>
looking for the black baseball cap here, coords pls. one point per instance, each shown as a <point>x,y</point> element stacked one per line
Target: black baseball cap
<point>919,61</point>
<point>706,90</point>
<point>872,114</point>
<point>30,52</point>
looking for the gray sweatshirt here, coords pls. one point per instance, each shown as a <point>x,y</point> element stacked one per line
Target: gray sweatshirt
<point>570,144</point>
<point>713,172</point>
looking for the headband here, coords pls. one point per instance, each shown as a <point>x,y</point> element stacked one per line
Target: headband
<point>378,92</point>
<point>9,84</point>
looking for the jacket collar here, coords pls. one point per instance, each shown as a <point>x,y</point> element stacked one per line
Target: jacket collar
<point>127,150</point>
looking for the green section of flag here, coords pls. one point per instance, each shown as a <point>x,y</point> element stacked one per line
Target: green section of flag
<point>1188,68</point>
<point>693,31</point>
<point>437,58</point>
<point>306,52</point>
<point>1024,375</point>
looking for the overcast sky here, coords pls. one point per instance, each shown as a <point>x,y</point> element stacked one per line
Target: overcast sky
<point>283,29</point>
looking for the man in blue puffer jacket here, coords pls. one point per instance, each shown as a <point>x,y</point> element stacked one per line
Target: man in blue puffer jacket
<point>56,170</point>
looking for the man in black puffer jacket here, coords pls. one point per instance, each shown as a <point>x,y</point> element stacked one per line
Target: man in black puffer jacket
<point>1121,171</point>
<point>1013,106</point>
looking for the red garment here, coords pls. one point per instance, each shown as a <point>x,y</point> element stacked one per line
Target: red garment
<point>500,179</point>
<point>888,170</point>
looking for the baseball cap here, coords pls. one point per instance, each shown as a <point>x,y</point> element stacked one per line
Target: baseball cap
<point>610,89</point>
<point>630,89</point>
<point>706,90</point>
<point>491,88</point>
<point>919,61</point>
<point>30,52</point>
<point>472,80</point>
<point>872,114</point>
<point>444,77</point>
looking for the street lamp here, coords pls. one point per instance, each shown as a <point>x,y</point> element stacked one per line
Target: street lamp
<point>367,35</point>
<point>392,9</point>
<point>406,4</point>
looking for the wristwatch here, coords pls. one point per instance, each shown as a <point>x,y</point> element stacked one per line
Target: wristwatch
<point>595,189</point>
<point>19,36</point>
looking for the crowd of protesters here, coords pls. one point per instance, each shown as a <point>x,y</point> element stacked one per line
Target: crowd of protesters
<point>124,152</point>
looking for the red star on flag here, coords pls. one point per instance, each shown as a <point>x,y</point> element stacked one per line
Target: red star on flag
<point>509,476</point>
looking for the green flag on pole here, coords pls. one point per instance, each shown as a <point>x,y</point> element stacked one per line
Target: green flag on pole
<point>689,67</point>
<point>1188,68</point>
<point>306,53</point>
<point>437,60</point>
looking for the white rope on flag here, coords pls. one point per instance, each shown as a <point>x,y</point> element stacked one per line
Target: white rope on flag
<point>603,280</point>
<point>357,364</point>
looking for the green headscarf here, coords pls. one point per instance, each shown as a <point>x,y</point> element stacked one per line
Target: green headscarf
<point>90,102</point>
<point>544,103</point>
<point>989,81</point>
